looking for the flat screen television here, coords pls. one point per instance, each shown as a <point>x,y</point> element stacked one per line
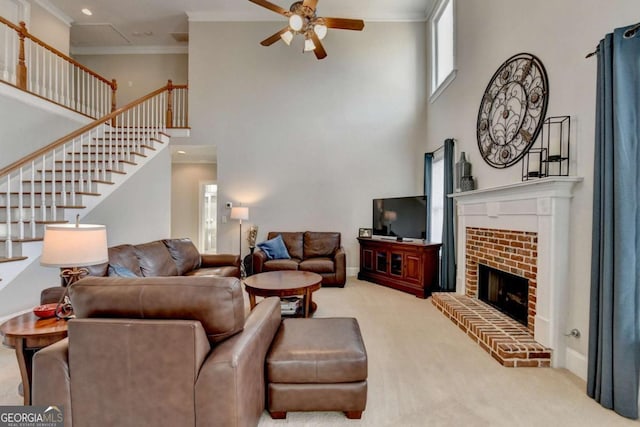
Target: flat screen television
<point>400,217</point>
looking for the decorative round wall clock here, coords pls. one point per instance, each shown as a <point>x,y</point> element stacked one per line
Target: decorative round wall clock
<point>512,110</point>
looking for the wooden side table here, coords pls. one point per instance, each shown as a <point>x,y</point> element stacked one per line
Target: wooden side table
<point>27,334</point>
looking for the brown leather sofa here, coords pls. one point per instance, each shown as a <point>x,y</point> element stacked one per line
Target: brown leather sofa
<point>162,351</point>
<point>168,257</point>
<point>318,252</point>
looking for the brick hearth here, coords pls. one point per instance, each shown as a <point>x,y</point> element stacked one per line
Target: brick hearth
<point>508,341</point>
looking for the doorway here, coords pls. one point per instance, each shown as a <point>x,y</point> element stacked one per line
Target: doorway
<point>208,217</point>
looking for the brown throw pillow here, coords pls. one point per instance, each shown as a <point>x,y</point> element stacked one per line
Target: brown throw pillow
<point>185,254</point>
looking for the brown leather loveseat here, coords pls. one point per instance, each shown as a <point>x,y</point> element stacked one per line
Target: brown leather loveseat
<point>168,257</point>
<point>159,351</point>
<point>317,252</point>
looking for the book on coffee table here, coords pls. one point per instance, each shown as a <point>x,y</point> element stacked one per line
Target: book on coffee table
<point>290,306</point>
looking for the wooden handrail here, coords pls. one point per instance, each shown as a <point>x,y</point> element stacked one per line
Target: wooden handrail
<point>22,32</point>
<point>17,164</point>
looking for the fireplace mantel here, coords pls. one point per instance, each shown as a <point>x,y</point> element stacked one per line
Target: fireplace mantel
<point>542,206</point>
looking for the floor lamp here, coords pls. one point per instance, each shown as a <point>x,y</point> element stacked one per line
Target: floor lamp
<point>240,213</point>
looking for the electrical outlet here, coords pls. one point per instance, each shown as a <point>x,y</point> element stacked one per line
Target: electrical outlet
<point>224,219</point>
<point>228,205</point>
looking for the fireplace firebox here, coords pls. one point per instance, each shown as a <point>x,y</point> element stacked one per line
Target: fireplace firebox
<point>505,291</point>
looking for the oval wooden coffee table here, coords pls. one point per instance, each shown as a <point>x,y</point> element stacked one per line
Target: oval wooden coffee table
<point>284,284</point>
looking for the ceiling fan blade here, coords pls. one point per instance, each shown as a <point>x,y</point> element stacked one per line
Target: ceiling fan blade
<point>310,3</point>
<point>274,38</point>
<point>319,50</point>
<point>271,6</point>
<point>344,24</point>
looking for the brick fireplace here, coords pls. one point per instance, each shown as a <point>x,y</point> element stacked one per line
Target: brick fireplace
<point>522,229</point>
<point>512,251</point>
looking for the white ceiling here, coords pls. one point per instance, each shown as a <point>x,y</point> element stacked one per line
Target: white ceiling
<point>140,23</point>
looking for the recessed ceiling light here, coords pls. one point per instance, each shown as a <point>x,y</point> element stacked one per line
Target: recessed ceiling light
<point>87,12</point>
<point>181,152</point>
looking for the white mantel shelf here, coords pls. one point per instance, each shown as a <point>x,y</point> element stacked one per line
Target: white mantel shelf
<point>542,206</point>
<point>558,185</point>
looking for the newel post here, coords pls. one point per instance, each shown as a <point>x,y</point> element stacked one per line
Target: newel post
<point>114,88</point>
<point>21,70</point>
<point>169,119</point>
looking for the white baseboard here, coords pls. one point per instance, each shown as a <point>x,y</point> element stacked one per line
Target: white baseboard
<point>352,271</point>
<point>576,363</point>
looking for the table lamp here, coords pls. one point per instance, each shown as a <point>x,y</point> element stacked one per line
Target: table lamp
<point>73,247</point>
<point>240,213</point>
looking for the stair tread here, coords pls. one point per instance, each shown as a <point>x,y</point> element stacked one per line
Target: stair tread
<point>18,258</point>
<point>48,193</point>
<point>46,206</point>
<point>59,171</point>
<point>93,161</point>
<point>148,147</point>
<point>44,222</point>
<point>48,181</point>
<point>36,239</point>
<point>135,153</point>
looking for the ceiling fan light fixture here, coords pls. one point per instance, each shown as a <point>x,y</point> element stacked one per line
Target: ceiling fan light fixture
<point>320,30</point>
<point>309,45</point>
<point>286,37</point>
<point>296,22</point>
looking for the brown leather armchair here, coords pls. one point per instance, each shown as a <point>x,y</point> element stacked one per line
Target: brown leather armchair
<point>317,252</point>
<point>162,351</point>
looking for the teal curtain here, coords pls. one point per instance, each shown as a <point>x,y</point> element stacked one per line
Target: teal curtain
<point>614,321</point>
<point>428,180</point>
<point>448,258</point>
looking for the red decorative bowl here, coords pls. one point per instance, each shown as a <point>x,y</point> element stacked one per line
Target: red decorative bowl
<point>45,311</point>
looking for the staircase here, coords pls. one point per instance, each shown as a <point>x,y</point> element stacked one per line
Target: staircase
<point>74,174</point>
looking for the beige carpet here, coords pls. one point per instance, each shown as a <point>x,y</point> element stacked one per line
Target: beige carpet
<point>423,371</point>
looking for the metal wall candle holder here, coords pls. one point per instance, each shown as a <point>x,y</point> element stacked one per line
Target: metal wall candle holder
<point>556,132</point>
<point>534,164</point>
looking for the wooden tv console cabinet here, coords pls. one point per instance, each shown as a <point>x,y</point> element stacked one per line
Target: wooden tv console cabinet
<point>408,266</point>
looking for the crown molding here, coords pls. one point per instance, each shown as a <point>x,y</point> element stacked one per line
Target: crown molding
<point>129,50</point>
<point>55,11</point>
<point>211,16</point>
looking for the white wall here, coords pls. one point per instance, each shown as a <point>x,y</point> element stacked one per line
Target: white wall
<point>137,75</point>
<point>28,123</point>
<point>560,34</point>
<point>140,210</point>
<point>186,179</point>
<point>49,28</point>
<point>307,144</point>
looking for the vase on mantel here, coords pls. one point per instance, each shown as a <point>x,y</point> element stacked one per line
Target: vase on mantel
<point>463,170</point>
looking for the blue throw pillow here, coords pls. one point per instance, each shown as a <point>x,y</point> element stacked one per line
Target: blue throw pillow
<point>275,248</point>
<point>120,271</point>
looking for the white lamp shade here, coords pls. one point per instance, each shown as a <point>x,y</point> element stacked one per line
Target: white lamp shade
<point>240,213</point>
<point>309,45</point>
<point>320,30</point>
<point>287,36</point>
<point>296,22</point>
<point>70,245</point>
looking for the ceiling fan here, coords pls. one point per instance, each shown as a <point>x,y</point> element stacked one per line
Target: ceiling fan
<point>304,20</point>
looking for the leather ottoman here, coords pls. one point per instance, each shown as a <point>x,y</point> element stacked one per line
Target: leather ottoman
<point>317,365</point>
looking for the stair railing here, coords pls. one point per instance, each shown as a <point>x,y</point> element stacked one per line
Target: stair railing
<point>30,64</point>
<point>177,106</point>
<point>34,188</point>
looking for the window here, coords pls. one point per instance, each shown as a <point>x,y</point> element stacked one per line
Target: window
<point>443,43</point>
<point>437,196</point>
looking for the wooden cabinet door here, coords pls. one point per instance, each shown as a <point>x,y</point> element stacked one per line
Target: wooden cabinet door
<point>367,259</point>
<point>413,268</point>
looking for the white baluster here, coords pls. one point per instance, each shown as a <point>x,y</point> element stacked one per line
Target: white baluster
<point>20,206</point>
<point>33,200</point>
